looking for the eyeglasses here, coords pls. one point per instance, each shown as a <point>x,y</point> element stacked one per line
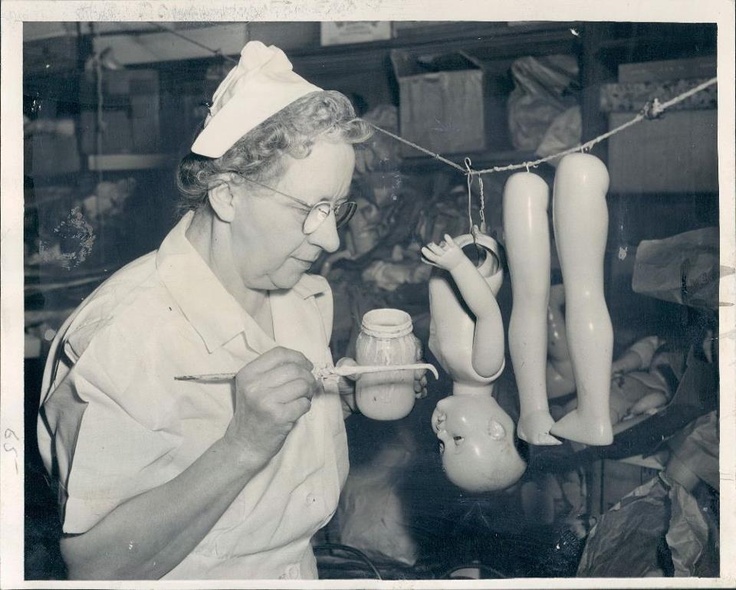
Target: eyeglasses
<point>316,214</point>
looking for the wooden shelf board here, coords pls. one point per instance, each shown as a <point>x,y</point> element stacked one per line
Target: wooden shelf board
<point>113,162</point>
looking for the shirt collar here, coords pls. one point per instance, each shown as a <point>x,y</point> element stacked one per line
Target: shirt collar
<point>310,286</point>
<point>204,301</point>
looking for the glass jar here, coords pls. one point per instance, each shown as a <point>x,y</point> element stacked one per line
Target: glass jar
<point>386,339</point>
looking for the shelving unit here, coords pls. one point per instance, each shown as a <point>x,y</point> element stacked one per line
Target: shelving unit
<point>488,41</point>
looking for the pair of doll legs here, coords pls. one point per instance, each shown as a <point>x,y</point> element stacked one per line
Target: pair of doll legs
<point>580,220</point>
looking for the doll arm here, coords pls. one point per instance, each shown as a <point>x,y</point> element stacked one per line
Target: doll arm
<point>638,356</point>
<point>488,339</point>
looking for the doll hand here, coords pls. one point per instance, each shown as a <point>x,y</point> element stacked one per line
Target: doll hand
<point>446,255</point>
<point>420,375</point>
<point>649,404</point>
<point>346,387</point>
<point>420,384</point>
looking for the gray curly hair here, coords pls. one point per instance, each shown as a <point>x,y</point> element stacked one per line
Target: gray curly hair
<point>259,153</point>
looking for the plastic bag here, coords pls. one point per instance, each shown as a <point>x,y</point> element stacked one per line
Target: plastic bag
<point>682,269</point>
<point>542,92</point>
<point>696,450</point>
<point>624,541</point>
<point>663,526</point>
<point>565,131</point>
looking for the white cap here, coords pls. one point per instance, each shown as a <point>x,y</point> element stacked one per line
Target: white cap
<point>260,85</point>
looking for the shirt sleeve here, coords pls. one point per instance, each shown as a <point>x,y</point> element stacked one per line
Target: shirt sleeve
<point>113,429</point>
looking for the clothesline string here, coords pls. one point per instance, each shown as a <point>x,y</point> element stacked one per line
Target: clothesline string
<point>651,110</point>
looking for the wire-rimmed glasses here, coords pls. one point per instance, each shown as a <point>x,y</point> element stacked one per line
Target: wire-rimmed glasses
<point>317,213</point>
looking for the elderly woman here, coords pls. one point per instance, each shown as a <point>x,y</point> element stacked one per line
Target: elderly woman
<point>160,477</point>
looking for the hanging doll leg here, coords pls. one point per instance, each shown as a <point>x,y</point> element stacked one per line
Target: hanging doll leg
<point>526,230</point>
<point>580,219</point>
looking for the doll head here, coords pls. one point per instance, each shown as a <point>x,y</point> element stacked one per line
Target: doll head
<point>477,443</point>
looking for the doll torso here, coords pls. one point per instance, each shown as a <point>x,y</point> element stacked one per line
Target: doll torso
<point>451,332</point>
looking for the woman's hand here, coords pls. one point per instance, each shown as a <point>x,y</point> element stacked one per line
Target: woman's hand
<point>148,535</point>
<point>271,394</point>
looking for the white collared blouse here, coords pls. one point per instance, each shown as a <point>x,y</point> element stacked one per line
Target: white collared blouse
<point>115,423</point>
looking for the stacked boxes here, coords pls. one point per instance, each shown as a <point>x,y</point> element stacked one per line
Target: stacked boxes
<point>676,153</point>
<point>441,102</point>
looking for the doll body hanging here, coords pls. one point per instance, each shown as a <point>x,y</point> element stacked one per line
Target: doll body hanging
<point>466,336</point>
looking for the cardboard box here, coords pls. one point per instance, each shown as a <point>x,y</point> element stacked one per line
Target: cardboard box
<point>441,102</point>
<point>633,96</point>
<point>130,113</point>
<point>671,69</point>
<point>678,153</point>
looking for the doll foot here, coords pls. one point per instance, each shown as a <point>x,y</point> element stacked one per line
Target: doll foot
<point>586,429</point>
<point>534,428</point>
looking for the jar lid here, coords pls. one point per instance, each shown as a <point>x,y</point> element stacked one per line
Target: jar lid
<point>386,323</point>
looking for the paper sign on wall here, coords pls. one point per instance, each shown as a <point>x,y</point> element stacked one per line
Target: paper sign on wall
<point>340,32</point>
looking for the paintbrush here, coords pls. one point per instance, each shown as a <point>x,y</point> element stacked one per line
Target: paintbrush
<point>322,372</point>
